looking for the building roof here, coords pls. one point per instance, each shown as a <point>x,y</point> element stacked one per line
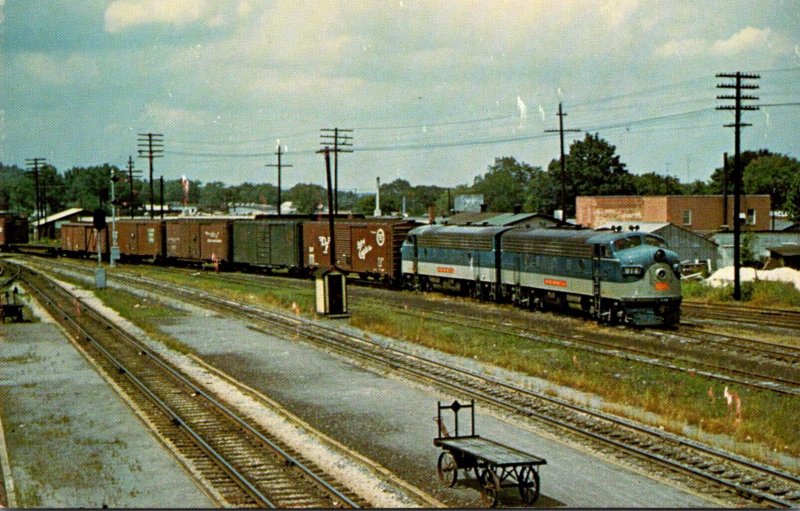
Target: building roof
<point>788,250</point>
<point>494,218</point>
<point>55,217</point>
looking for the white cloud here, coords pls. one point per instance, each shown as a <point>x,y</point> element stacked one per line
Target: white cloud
<point>746,39</point>
<point>74,69</point>
<point>123,14</point>
<point>682,48</point>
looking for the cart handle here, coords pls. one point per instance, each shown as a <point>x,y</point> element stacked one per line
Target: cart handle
<point>455,407</point>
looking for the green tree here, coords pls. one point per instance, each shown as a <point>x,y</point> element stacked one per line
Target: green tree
<point>717,177</point>
<point>651,183</point>
<point>592,168</point>
<point>792,204</point>
<point>507,184</point>
<point>16,190</point>
<point>88,187</point>
<point>213,197</point>
<point>772,175</point>
<point>307,198</point>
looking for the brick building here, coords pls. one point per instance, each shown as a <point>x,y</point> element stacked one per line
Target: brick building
<point>700,213</point>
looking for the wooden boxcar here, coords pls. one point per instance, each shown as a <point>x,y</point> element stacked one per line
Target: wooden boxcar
<point>80,238</point>
<point>141,238</point>
<point>272,243</point>
<point>13,229</point>
<point>369,247</point>
<point>199,239</point>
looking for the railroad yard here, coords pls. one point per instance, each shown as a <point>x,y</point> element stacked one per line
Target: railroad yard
<point>236,394</point>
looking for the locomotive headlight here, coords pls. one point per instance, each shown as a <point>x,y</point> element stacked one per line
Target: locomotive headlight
<point>661,274</point>
<point>634,271</point>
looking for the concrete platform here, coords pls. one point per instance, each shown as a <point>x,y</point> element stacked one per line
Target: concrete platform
<point>392,422</point>
<point>71,440</point>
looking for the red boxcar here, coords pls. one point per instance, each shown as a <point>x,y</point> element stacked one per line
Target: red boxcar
<point>81,238</point>
<point>199,239</point>
<point>141,238</point>
<point>13,229</point>
<point>369,247</point>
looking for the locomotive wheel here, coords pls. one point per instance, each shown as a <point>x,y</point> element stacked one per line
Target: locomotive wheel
<point>491,488</point>
<point>528,485</point>
<point>447,468</point>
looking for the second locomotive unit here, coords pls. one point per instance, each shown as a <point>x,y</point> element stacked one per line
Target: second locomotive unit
<point>616,277</point>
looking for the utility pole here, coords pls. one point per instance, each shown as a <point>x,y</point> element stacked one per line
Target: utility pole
<point>33,165</point>
<point>561,114</point>
<point>339,141</point>
<point>737,107</point>
<point>131,171</point>
<point>279,166</point>
<point>151,145</point>
<point>724,188</point>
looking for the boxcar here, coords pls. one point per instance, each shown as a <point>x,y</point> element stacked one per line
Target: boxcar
<point>13,229</point>
<point>141,238</point>
<point>80,238</point>
<point>369,247</point>
<point>271,243</point>
<point>199,239</point>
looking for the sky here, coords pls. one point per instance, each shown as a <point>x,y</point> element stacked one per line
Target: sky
<point>433,90</point>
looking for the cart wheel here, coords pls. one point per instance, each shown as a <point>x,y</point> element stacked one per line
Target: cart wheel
<point>447,469</point>
<point>529,485</point>
<point>491,487</point>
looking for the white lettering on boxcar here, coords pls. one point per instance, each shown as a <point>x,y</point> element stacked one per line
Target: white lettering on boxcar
<point>363,248</point>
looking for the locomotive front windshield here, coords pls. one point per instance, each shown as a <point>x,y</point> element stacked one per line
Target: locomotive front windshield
<point>626,243</point>
<point>655,241</point>
<point>636,240</point>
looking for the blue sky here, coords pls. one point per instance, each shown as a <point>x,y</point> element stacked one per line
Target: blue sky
<point>434,90</point>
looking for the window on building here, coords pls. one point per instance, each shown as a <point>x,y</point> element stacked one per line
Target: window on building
<point>687,217</point>
<point>751,216</point>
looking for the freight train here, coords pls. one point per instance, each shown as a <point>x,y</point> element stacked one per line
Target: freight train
<point>613,276</point>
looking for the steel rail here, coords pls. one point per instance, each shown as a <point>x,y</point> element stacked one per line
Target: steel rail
<point>216,403</point>
<point>174,417</point>
<point>324,333</point>
<point>281,320</point>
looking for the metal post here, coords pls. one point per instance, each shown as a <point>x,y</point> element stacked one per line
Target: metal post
<point>114,247</point>
<point>332,244</point>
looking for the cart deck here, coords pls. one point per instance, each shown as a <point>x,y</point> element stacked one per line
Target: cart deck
<point>495,465</point>
<point>489,451</point>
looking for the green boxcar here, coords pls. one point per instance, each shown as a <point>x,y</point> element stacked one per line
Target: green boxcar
<point>269,243</point>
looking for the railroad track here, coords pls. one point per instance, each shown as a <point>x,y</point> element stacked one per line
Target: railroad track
<point>772,318</point>
<point>242,465</point>
<point>708,470</point>
<point>748,362</point>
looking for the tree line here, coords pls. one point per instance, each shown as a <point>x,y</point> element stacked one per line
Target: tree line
<point>592,167</point>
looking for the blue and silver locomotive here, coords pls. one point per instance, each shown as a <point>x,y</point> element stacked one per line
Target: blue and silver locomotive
<point>616,277</point>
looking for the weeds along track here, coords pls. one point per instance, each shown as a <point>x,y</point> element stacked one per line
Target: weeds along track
<point>237,462</point>
<point>706,470</point>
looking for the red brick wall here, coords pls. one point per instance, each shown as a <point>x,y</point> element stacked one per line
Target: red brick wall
<point>706,210</point>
